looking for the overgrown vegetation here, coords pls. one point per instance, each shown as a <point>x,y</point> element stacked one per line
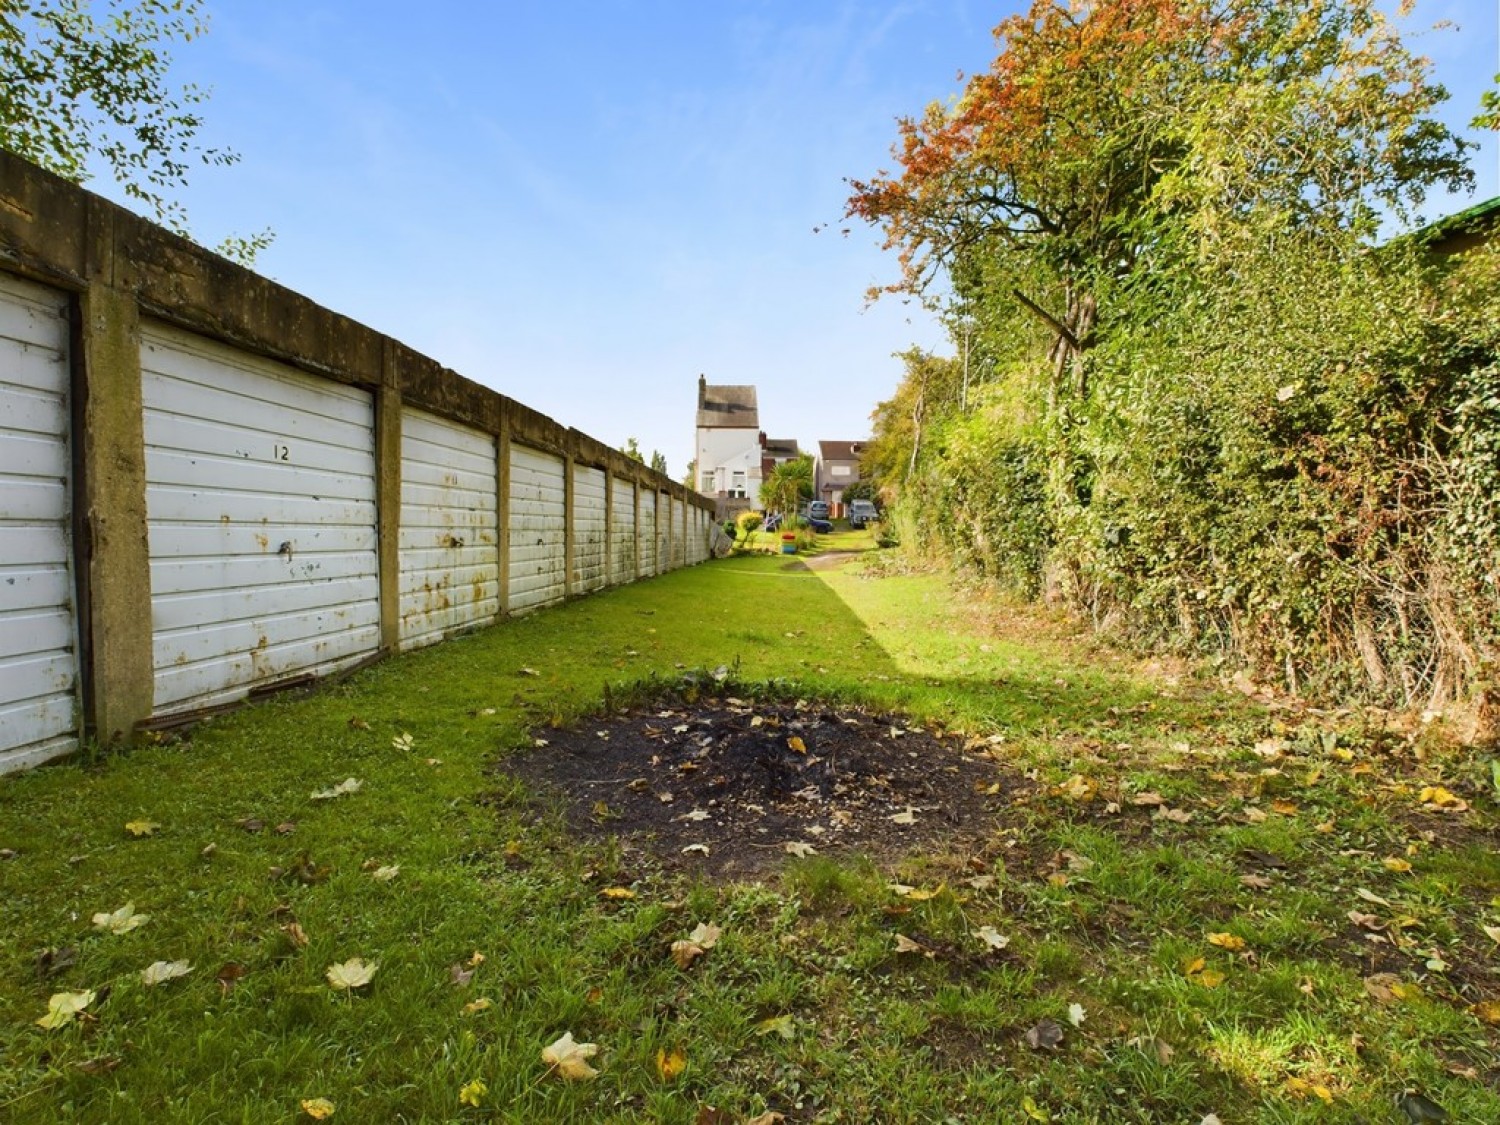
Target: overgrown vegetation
<point>1194,903</point>
<point>1196,398</point>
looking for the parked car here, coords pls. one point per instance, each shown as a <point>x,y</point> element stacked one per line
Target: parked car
<point>822,527</point>
<point>818,509</point>
<point>862,512</point>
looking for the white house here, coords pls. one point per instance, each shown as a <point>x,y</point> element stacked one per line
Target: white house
<point>727,449</point>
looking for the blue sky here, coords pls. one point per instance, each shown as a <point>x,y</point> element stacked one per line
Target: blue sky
<point>586,204</point>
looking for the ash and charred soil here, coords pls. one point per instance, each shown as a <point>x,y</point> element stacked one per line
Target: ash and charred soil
<point>730,787</point>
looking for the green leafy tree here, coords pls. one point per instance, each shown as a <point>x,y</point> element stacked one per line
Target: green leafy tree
<point>632,449</point>
<point>659,462</point>
<point>84,84</point>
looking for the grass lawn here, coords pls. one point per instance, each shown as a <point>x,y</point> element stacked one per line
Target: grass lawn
<point>1205,904</point>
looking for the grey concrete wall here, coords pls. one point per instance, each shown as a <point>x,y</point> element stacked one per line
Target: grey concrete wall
<point>118,269</point>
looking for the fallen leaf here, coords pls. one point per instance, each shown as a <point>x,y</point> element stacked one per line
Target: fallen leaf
<point>295,932</point>
<point>121,921</point>
<point>1210,978</point>
<point>343,788</point>
<point>319,1109</point>
<point>140,828</point>
<point>770,1117</point>
<point>695,849</point>
<point>706,934</point>
<point>527,672</point>
<point>459,974</point>
<point>472,1093</point>
<point>1045,1036</point>
<point>356,723</point>
<point>353,973</point>
<point>159,972</point>
<point>1252,815</point>
<point>1226,941</point>
<point>917,895</point>
<point>62,1007</point>
<point>1381,987</point>
<point>905,944</point>
<point>686,952</point>
<point>992,937</point>
<point>799,848</point>
<point>1365,921</point>
<point>1176,816</point>
<point>286,828</point>
<point>1284,807</point>
<point>100,1064</point>
<point>230,974</point>
<point>1257,882</point>
<point>796,745</point>
<point>569,1058</point>
<point>1076,1014</point>
<point>1078,788</point>
<point>1440,798</point>
<point>1371,896</point>
<point>1147,799</point>
<point>1396,864</point>
<point>617,893</point>
<point>1492,932</point>
<point>1487,1011</point>
<point>669,1066</point>
<point>250,824</point>
<point>403,741</point>
<point>907,817</point>
<point>385,874</point>
<point>783,1026</point>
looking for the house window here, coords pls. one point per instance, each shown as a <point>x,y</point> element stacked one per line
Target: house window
<point>839,470</point>
<point>737,488</point>
<point>708,483</point>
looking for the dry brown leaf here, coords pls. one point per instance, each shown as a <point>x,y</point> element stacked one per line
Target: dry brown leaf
<point>905,944</point>
<point>686,952</point>
<point>1046,1035</point>
<point>1147,799</point>
<point>1256,882</point>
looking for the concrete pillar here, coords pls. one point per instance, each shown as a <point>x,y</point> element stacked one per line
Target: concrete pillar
<point>609,526</point>
<point>570,532</point>
<point>388,497</point>
<point>113,500</point>
<point>502,501</point>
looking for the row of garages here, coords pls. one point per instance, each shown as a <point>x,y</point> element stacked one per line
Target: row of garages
<point>263,525</point>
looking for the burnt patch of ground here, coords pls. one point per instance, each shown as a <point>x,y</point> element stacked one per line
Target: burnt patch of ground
<point>728,786</point>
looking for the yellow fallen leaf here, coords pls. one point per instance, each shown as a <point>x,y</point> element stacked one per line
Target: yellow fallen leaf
<point>1078,788</point>
<point>1193,966</point>
<point>1392,863</point>
<point>353,973</point>
<point>796,745</point>
<point>159,972</point>
<point>142,827</point>
<point>1487,1011</point>
<point>569,1058</point>
<point>386,874</point>
<point>1441,798</point>
<point>670,1066</point>
<point>923,896</point>
<point>403,741</point>
<point>1210,978</point>
<point>1285,808</point>
<point>483,1004</point>
<point>472,1093</point>
<point>62,1007</point>
<point>319,1109</point>
<point>1492,932</point>
<point>1227,941</point>
<point>121,921</point>
<point>783,1026</point>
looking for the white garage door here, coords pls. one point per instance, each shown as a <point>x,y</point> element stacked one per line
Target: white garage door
<point>260,501</point>
<point>622,531</point>
<point>647,537</point>
<point>38,650</point>
<point>449,547</point>
<point>679,532</point>
<point>588,529</point>
<point>538,517</point>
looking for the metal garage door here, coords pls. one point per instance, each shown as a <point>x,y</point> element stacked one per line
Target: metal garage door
<point>622,513</point>
<point>538,517</point>
<point>646,539</point>
<point>449,546</point>
<point>260,501</point>
<point>588,529</point>
<point>38,647</point>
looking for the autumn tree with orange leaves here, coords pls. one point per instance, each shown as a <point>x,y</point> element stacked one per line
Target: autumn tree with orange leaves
<point>1108,130</point>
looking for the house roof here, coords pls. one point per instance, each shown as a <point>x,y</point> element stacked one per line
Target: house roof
<point>781,447</point>
<point>727,406</point>
<point>840,450</point>
<point>1457,233</point>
